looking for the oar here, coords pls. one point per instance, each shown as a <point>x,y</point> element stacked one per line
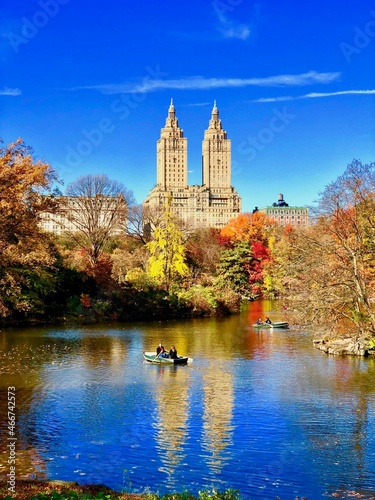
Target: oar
<point>156,357</point>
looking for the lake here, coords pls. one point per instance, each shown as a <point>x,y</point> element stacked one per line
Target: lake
<point>260,411</point>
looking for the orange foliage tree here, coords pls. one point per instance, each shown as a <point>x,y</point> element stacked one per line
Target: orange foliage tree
<point>248,227</point>
<point>27,189</point>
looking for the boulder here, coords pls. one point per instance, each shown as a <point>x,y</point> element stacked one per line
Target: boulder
<point>343,346</point>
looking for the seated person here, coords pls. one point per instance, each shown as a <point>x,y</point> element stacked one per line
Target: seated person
<point>173,353</point>
<point>268,321</point>
<point>160,351</point>
<point>259,321</point>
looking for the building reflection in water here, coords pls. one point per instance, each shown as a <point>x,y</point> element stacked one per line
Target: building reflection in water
<point>172,414</point>
<point>217,415</point>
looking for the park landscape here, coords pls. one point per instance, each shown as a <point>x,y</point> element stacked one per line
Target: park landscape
<point>192,288</point>
<point>322,273</point>
<point>92,277</point>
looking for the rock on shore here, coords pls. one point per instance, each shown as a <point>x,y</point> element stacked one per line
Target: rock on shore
<point>344,346</point>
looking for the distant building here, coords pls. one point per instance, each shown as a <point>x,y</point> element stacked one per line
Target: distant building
<point>76,213</point>
<point>286,215</point>
<point>211,204</point>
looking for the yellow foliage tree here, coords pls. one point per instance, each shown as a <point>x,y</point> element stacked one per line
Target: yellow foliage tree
<point>167,251</point>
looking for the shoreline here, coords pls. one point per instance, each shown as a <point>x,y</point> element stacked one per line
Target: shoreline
<point>27,489</point>
<point>30,489</point>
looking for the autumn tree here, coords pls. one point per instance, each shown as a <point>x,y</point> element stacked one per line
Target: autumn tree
<point>247,227</point>
<point>24,186</point>
<point>27,190</point>
<point>97,208</point>
<point>167,250</point>
<point>203,252</point>
<point>330,267</point>
<point>252,231</point>
<point>129,256</point>
<point>274,270</point>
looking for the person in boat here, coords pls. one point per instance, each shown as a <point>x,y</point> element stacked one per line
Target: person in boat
<point>173,352</point>
<point>160,351</point>
<point>268,321</point>
<point>259,321</point>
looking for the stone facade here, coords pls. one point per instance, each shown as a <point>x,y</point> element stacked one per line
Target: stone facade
<point>211,204</point>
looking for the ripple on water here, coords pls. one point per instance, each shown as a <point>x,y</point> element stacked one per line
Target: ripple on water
<point>264,413</point>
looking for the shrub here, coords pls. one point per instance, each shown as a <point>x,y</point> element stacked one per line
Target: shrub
<point>200,300</point>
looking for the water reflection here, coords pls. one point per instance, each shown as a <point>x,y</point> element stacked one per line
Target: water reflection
<point>260,411</point>
<point>218,413</point>
<point>171,416</point>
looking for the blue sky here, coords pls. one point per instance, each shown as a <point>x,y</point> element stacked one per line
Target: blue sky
<point>88,84</point>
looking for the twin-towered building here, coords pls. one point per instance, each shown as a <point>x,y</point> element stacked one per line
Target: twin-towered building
<point>215,201</point>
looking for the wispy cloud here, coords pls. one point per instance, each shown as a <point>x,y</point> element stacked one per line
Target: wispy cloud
<point>228,27</point>
<point>313,95</point>
<point>8,91</point>
<point>196,104</point>
<point>202,83</point>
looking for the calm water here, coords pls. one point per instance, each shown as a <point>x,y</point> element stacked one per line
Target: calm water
<point>259,411</point>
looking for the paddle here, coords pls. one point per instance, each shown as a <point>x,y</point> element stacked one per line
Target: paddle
<point>156,357</point>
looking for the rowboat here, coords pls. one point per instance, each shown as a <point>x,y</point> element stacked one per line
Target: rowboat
<point>275,324</point>
<point>151,357</point>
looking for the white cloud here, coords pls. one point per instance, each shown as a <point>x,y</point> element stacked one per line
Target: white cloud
<point>202,83</point>
<point>228,27</point>
<point>196,104</point>
<point>313,95</point>
<point>8,91</point>
<point>231,30</point>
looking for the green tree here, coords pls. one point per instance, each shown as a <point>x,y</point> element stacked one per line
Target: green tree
<point>234,266</point>
<point>167,251</point>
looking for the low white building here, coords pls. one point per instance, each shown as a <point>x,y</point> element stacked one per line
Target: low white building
<point>286,215</point>
<point>75,214</point>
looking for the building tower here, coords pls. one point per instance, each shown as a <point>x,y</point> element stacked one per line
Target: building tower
<point>216,154</point>
<point>211,204</point>
<point>171,154</point>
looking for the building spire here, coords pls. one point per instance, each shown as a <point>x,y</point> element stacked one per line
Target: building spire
<point>171,110</point>
<point>215,122</point>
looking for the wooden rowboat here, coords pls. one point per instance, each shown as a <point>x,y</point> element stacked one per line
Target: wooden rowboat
<point>151,357</point>
<point>275,324</point>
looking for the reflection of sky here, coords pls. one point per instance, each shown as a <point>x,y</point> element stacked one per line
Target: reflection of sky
<point>266,414</point>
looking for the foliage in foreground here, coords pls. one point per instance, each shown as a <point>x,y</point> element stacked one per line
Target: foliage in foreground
<point>46,490</point>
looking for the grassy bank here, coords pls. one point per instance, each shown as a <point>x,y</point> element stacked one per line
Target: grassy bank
<point>61,490</point>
